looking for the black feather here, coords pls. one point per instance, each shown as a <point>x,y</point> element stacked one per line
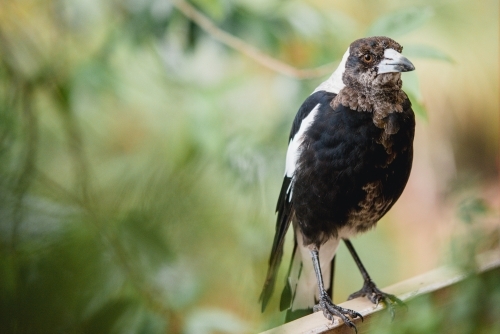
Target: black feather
<point>354,158</point>
<point>284,205</point>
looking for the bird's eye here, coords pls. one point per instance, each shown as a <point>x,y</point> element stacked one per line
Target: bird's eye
<point>368,58</point>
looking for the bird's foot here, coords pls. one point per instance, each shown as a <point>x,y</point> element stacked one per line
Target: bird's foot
<point>375,295</point>
<point>330,309</point>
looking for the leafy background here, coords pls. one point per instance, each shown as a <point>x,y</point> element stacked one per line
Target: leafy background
<point>142,149</point>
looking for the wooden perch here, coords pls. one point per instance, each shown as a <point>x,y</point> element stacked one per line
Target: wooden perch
<point>433,282</point>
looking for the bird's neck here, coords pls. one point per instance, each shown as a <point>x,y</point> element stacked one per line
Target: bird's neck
<point>380,102</point>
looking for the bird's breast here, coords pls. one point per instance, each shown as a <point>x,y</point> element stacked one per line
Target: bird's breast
<point>350,172</point>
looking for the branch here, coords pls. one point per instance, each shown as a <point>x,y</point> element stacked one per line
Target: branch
<point>250,51</point>
<point>438,284</point>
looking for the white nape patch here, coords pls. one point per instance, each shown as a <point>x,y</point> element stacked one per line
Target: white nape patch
<point>302,279</point>
<point>292,154</point>
<point>335,83</point>
<point>391,57</point>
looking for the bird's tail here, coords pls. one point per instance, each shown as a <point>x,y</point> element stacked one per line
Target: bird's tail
<point>270,282</point>
<point>282,223</point>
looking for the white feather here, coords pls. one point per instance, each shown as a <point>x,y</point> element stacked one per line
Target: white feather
<point>303,278</point>
<point>335,83</point>
<point>292,154</point>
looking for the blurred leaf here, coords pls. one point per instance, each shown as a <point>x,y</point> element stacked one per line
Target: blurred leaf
<point>470,208</point>
<point>411,85</point>
<point>425,51</point>
<point>467,307</point>
<point>139,235</point>
<point>305,19</point>
<point>179,284</point>
<point>193,35</point>
<point>418,107</point>
<point>56,279</point>
<point>104,320</point>
<point>412,89</point>
<point>96,75</point>
<point>146,20</point>
<point>264,31</point>
<point>422,318</point>
<point>210,321</point>
<point>400,22</point>
<point>149,323</point>
<point>216,9</point>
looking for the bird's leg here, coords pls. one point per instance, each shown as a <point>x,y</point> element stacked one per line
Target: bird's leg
<point>332,276</point>
<point>369,288</point>
<point>325,302</point>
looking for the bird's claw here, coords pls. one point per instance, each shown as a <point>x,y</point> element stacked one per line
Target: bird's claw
<point>375,295</point>
<point>330,309</point>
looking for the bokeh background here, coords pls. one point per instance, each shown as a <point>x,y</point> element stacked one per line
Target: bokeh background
<point>142,147</point>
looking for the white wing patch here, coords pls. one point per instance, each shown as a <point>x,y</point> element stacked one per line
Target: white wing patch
<point>334,83</point>
<point>292,154</point>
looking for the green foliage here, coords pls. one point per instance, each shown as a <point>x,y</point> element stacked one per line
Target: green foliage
<point>140,159</point>
<point>426,51</point>
<point>400,22</point>
<point>471,208</point>
<point>412,89</point>
<point>210,321</point>
<point>468,307</point>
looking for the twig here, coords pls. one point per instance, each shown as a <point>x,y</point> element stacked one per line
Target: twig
<point>239,45</point>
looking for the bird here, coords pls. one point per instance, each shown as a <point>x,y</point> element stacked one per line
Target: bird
<point>348,161</point>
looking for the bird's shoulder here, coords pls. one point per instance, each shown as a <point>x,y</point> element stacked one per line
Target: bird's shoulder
<point>320,97</point>
<point>344,120</point>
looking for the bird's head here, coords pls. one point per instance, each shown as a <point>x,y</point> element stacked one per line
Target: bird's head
<point>375,63</point>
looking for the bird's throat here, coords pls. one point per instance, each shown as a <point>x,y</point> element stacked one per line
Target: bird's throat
<point>381,103</point>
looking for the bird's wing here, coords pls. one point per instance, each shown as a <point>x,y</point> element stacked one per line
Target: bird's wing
<point>284,208</point>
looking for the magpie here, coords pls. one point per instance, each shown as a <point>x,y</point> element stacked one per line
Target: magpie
<point>349,158</point>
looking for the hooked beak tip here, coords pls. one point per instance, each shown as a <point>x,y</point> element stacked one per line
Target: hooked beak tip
<point>394,62</point>
<point>407,66</point>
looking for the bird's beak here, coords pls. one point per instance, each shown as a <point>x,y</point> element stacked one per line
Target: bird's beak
<point>394,62</point>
